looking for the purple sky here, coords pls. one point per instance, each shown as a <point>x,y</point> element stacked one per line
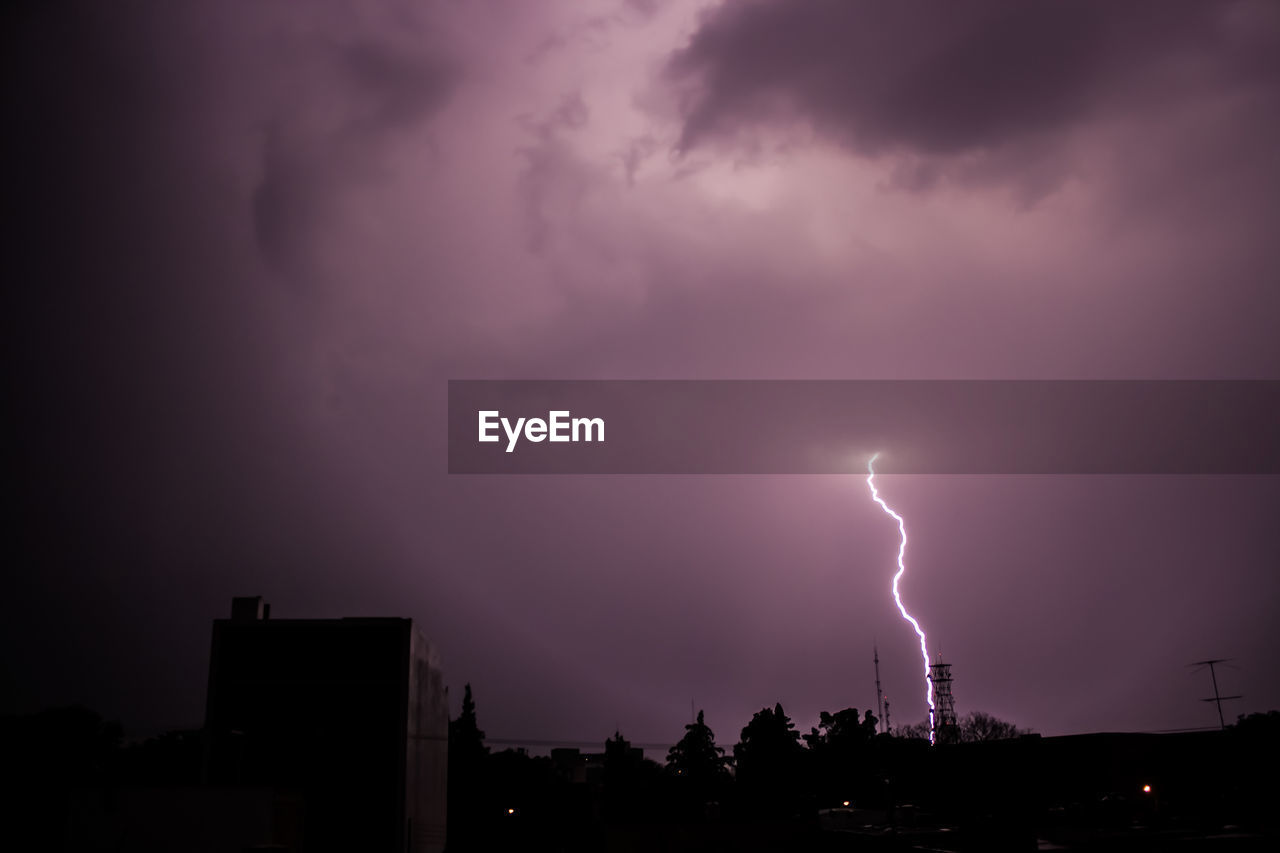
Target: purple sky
<point>251,242</point>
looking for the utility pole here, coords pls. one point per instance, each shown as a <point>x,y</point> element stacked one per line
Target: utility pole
<point>1216,699</point>
<point>887,730</point>
<point>881,705</point>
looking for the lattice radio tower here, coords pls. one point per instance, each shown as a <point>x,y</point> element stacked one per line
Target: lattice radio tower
<point>945,729</point>
<point>880,700</point>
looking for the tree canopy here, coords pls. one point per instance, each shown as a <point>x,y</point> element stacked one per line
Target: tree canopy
<point>466,738</point>
<point>696,755</point>
<point>768,757</point>
<point>974,727</point>
<point>842,730</point>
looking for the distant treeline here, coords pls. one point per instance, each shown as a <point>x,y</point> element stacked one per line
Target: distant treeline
<point>993,778</point>
<point>996,782</point>
<point>773,771</point>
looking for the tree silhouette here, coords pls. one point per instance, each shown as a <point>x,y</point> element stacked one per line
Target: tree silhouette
<point>468,757</point>
<point>980,726</point>
<point>1260,724</point>
<point>699,767</point>
<point>974,727</point>
<point>44,756</point>
<point>632,783</point>
<point>769,758</point>
<point>840,756</point>
<point>696,757</point>
<point>1251,744</point>
<point>913,731</point>
<point>466,738</point>
<point>841,730</point>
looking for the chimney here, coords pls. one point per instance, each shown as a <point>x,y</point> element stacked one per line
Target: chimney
<point>249,608</point>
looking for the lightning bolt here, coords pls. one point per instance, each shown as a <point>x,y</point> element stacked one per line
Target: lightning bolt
<point>902,568</point>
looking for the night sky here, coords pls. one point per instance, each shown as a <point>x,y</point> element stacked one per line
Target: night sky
<point>247,244</point>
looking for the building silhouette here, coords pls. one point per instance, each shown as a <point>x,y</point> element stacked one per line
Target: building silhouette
<point>348,714</point>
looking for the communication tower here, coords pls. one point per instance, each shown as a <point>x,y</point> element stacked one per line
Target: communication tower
<point>880,700</point>
<point>945,729</point>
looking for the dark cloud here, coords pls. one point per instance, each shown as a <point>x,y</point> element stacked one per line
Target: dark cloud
<point>146,351</point>
<point>356,100</point>
<point>395,88</point>
<point>552,179</point>
<point>944,79</point>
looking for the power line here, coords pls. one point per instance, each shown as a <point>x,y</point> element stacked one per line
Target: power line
<point>597,744</point>
<point>1176,731</point>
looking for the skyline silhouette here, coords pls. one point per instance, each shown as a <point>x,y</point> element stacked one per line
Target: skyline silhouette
<point>249,247</point>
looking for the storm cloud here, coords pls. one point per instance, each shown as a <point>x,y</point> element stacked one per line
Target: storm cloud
<point>995,80</point>
<point>249,245</point>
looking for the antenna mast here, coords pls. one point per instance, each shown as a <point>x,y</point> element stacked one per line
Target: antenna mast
<point>1216,698</point>
<point>881,704</point>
